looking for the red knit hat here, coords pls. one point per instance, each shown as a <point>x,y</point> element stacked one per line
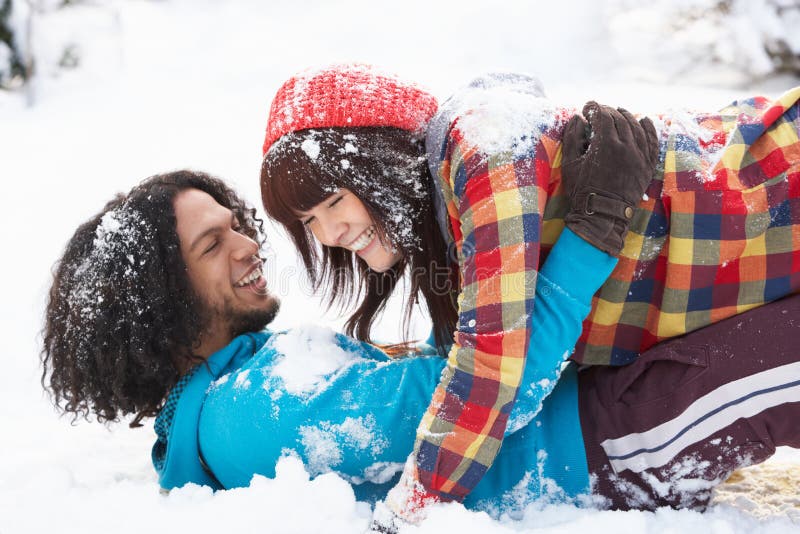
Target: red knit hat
<point>347,95</point>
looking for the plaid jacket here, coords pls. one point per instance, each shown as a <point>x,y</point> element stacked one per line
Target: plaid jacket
<point>718,233</point>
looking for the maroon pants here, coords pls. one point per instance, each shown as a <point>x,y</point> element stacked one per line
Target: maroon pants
<point>666,429</point>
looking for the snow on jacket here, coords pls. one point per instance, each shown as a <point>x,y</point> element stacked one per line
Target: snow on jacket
<point>715,235</point>
<point>341,405</point>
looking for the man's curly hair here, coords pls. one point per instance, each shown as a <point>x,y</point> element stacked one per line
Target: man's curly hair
<point>122,320</point>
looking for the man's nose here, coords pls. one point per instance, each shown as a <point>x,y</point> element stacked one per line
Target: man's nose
<point>244,247</point>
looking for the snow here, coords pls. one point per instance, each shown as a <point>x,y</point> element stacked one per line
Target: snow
<point>490,114</point>
<point>321,444</point>
<point>321,147</point>
<point>121,232</point>
<point>382,472</point>
<point>659,43</point>
<point>321,449</point>
<point>309,358</point>
<point>769,489</point>
<point>187,83</point>
<point>311,148</point>
<point>113,229</point>
<point>242,381</point>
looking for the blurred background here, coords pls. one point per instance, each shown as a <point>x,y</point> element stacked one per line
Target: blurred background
<point>96,95</point>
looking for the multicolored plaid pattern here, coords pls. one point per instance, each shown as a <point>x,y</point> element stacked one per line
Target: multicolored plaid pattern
<point>717,234</point>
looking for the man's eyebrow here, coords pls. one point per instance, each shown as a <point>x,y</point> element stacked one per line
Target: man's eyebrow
<point>213,229</point>
<point>206,233</point>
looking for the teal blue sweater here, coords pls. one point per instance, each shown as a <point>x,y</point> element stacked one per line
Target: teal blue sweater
<point>341,405</point>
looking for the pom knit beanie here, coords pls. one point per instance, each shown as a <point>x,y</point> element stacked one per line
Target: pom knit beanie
<point>349,95</point>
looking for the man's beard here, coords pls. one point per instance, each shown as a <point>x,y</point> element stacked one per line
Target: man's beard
<point>239,321</point>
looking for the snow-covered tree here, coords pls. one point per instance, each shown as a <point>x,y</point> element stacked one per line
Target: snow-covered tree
<point>784,49</point>
<point>41,39</point>
<point>711,39</point>
<point>12,68</point>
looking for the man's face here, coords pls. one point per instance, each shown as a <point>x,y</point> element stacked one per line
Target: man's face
<point>223,265</point>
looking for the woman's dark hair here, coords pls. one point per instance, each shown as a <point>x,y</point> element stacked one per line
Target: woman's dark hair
<point>386,169</point>
<point>122,320</point>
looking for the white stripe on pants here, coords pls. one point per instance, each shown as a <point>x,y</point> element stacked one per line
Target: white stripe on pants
<point>710,413</point>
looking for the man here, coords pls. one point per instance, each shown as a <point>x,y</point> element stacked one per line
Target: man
<point>158,281</point>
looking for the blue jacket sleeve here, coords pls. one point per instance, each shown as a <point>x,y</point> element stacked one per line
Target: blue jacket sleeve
<point>360,419</point>
<point>573,272</point>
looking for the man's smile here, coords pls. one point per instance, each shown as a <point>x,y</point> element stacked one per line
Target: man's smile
<point>253,275</point>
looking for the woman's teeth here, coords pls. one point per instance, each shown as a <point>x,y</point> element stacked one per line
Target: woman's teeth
<point>363,240</point>
<point>252,277</point>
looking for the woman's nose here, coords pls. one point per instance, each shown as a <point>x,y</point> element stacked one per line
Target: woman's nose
<point>330,232</point>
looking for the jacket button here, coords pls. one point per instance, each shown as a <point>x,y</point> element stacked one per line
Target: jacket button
<point>628,212</point>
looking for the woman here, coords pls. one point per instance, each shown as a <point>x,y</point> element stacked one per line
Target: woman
<point>347,135</point>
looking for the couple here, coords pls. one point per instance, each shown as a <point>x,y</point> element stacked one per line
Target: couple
<point>158,304</point>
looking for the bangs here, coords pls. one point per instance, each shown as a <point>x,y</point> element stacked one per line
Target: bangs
<point>386,169</point>
<point>292,179</point>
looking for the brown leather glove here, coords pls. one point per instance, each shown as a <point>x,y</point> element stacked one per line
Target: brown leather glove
<point>606,167</point>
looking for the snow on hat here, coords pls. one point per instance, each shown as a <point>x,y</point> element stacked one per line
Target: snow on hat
<point>347,95</point>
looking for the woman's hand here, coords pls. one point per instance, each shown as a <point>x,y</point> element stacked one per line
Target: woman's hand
<point>608,160</point>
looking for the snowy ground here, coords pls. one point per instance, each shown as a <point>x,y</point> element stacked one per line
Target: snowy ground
<point>187,83</point>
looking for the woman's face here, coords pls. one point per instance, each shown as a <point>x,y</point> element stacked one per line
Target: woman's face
<point>342,220</point>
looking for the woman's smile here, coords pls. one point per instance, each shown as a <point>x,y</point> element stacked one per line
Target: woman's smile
<point>363,240</point>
